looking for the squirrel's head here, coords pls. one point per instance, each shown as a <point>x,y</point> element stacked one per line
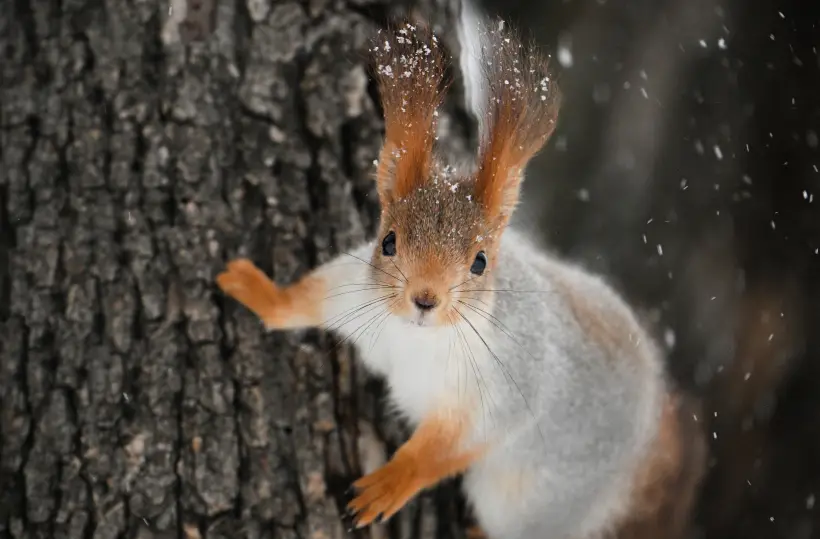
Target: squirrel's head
<point>440,229</point>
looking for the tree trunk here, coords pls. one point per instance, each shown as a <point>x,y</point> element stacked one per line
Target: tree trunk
<point>144,143</point>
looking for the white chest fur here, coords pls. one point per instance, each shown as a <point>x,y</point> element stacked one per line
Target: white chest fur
<point>425,367</point>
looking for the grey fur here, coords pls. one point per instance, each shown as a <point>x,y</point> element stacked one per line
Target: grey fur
<point>595,410</point>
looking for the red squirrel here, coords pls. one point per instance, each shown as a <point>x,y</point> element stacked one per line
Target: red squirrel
<point>525,373</point>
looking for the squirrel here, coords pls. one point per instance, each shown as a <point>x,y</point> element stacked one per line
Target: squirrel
<point>526,374</point>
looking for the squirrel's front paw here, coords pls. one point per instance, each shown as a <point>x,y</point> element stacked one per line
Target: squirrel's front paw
<point>382,493</point>
<point>247,284</point>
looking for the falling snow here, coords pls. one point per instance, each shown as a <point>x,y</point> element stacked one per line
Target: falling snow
<point>565,55</point>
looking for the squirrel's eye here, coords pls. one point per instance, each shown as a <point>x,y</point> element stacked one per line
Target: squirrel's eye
<point>389,244</point>
<point>479,264</point>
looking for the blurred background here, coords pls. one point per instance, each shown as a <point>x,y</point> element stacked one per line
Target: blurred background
<point>145,142</point>
<point>685,166</point>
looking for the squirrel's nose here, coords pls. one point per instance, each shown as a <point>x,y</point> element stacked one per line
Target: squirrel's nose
<point>425,301</point>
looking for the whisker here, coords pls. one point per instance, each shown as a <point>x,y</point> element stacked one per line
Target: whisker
<point>488,316</point>
<point>356,261</point>
<point>361,290</point>
<point>330,322</point>
<point>506,290</point>
<point>372,283</point>
<point>487,273</point>
<point>503,369</point>
<point>400,271</point>
<point>383,323</point>
<point>462,284</point>
<point>368,301</point>
<point>341,319</point>
<point>476,373</point>
<point>449,348</point>
<point>372,266</point>
<point>345,339</point>
<point>453,322</point>
<point>460,298</point>
<point>385,311</point>
<point>355,331</point>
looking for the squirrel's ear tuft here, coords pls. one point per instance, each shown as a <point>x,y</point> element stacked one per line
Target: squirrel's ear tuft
<point>409,66</point>
<point>516,100</point>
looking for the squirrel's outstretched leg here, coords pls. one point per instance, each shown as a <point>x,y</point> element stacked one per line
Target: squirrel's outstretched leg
<point>434,452</point>
<point>294,306</point>
<point>332,296</point>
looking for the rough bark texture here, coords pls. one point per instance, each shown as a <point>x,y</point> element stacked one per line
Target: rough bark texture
<point>144,143</point>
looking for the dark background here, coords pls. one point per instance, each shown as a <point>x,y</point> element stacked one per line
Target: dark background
<point>145,142</point>
<point>716,163</point>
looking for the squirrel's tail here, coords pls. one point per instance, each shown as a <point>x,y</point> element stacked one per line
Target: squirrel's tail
<point>469,30</point>
<point>511,91</point>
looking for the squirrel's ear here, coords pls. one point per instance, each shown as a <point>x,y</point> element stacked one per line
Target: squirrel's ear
<point>515,99</point>
<point>409,67</point>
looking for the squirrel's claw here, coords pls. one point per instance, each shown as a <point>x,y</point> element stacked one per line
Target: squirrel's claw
<point>347,519</point>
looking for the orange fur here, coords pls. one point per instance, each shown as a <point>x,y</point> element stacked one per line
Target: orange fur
<point>294,306</point>
<point>432,454</point>
<point>610,330</point>
<point>410,71</point>
<point>475,532</point>
<point>667,484</point>
<point>521,115</point>
<point>432,274</point>
<point>670,476</point>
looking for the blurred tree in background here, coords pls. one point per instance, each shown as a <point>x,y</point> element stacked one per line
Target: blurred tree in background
<point>145,142</point>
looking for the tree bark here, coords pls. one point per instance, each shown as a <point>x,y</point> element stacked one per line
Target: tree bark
<point>144,143</point>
